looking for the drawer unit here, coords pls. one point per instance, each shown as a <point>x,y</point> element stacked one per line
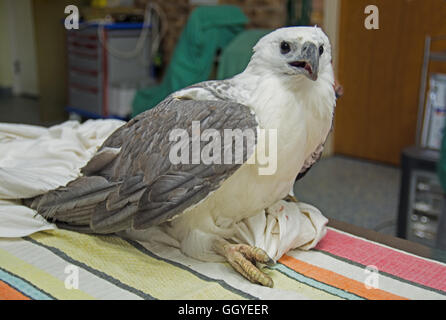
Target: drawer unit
<point>421,196</point>
<point>426,204</point>
<point>94,65</point>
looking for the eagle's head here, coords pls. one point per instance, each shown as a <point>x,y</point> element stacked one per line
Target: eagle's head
<point>294,51</point>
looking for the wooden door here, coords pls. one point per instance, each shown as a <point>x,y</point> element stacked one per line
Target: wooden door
<point>381,71</point>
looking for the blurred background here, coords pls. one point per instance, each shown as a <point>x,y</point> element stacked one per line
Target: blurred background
<point>381,165</point>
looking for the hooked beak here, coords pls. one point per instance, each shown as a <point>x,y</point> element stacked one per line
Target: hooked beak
<point>307,62</point>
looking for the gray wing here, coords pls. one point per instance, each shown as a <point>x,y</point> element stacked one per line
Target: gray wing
<point>131,182</point>
<point>308,164</point>
<point>314,157</point>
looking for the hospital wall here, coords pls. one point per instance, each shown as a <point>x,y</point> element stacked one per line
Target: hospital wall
<point>6,77</point>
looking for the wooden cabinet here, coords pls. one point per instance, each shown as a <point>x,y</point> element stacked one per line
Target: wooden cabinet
<point>381,71</point>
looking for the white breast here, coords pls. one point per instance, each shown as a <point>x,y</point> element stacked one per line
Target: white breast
<point>301,128</point>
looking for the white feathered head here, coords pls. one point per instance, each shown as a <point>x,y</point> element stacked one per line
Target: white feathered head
<point>294,51</point>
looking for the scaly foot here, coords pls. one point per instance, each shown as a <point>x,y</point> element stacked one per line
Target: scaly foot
<point>243,259</point>
<point>290,198</point>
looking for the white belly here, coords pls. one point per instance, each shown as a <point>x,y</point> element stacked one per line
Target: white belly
<point>301,130</point>
<point>243,195</point>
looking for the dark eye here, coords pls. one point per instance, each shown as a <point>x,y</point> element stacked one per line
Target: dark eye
<point>321,50</point>
<point>285,47</point>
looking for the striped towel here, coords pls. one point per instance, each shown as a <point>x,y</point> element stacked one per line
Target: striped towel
<point>59,264</point>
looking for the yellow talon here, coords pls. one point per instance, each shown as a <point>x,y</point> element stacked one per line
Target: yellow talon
<point>243,258</point>
<point>290,198</point>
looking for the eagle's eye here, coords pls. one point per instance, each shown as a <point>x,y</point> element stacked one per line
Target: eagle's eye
<point>321,50</point>
<point>285,47</point>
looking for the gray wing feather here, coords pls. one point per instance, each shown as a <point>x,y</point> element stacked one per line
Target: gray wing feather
<point>308,164</point>
<point>313,158</point>
<point>139,186</point>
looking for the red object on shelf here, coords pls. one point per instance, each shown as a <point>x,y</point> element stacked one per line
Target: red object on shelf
<point>95,71</point>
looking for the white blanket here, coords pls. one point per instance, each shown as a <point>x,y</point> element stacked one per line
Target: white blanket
<point>34,160</point>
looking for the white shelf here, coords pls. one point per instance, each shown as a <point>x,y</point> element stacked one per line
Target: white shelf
<point>438,56</point>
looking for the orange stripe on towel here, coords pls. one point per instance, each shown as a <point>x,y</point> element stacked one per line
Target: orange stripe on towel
<point>336,280</point>
<point>9,293</point>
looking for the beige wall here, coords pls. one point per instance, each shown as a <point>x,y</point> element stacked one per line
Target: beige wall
<point>331,24</point>
<point>331,27</point>
<point>17,45</point>
<point>6,77</point>
<point>51,56</point>
<point>24,51</point>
